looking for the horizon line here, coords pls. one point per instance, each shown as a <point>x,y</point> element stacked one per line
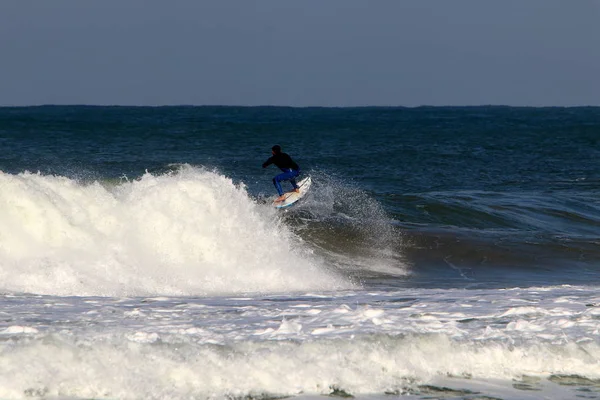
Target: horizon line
<point>293,107</point>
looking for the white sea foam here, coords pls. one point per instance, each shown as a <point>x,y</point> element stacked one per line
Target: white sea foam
<point>142,367</point>
<point>189,233</point>
<point>364,343</point>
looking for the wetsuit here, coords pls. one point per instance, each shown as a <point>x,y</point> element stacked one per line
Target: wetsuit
<point>290,170</point>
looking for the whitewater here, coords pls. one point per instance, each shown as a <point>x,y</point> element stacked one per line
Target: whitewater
<point>193,232</point>
<point>183,285</point>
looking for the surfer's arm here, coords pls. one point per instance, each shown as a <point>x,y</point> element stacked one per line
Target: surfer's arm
<point>268,162</point>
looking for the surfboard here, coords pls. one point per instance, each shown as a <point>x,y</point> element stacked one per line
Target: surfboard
<point>293,197</point>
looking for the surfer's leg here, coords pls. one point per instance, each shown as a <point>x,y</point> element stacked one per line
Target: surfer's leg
<point>293,180</point>
<point>276,181</point>
<point>285,176</point>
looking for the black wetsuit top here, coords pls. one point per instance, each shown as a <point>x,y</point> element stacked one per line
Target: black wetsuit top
<point>283,161</point>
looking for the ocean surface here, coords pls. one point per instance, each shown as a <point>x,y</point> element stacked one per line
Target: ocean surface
<point>441,253</point>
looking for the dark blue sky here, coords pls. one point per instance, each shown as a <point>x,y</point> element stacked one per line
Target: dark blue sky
<point>309,53</point>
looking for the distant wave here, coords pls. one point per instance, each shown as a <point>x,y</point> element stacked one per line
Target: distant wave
<point>486,234</point>
<point>543,212</point>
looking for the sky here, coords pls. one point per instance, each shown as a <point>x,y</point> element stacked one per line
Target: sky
<point>300,53</point>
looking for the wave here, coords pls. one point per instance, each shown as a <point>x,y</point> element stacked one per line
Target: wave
<point>153,367</point>
<point>559,213</point>
<point>189,232</point>
<point>186,231</point>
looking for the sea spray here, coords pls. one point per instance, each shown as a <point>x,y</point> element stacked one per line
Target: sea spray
<point>349,227</point>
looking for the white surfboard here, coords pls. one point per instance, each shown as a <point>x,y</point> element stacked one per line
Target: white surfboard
<point>292,197</point>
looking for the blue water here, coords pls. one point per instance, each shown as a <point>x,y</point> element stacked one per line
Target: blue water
<point>440,253</point>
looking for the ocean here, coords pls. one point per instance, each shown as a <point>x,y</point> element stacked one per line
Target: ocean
<point>441,253</point>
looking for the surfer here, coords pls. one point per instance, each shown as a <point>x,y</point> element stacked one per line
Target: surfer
<point>290,170</point>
